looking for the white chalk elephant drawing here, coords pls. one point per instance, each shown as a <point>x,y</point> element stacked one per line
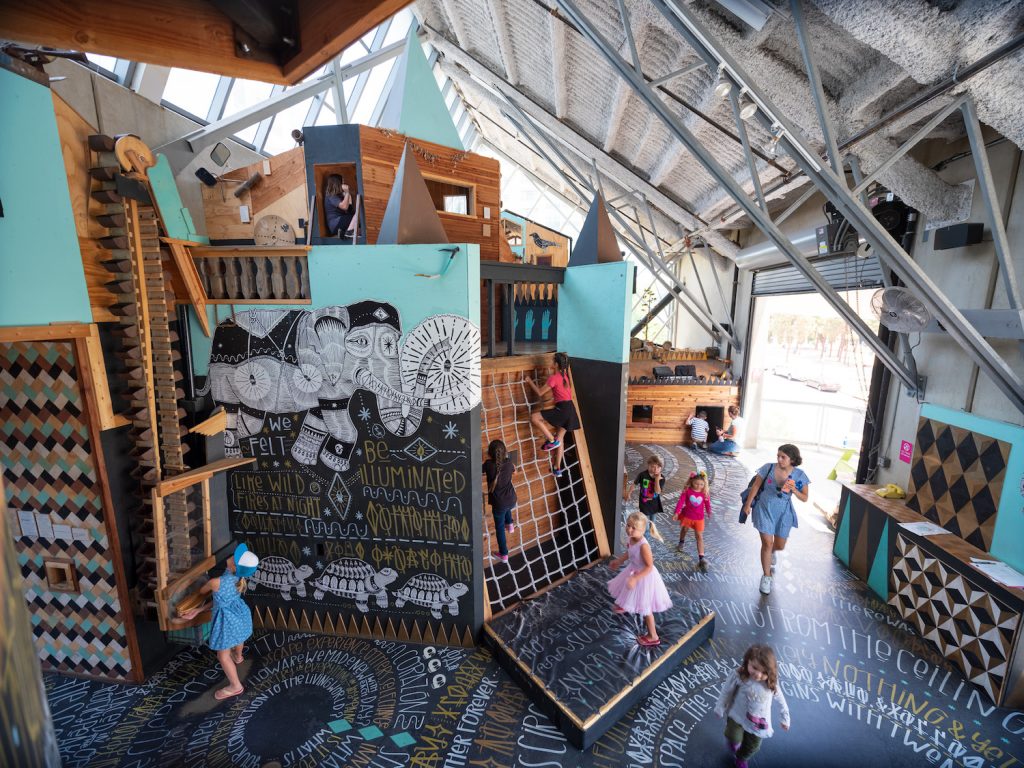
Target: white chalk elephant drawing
<point>287,361</point>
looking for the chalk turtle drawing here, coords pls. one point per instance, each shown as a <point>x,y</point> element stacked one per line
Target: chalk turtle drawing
<point>431,591</point>
<point>281,574</point>
<point>284,361</point>
<point>350,577</point>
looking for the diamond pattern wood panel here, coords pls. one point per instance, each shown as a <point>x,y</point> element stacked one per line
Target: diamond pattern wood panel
<point>956,480</point>
<point>969,626</point>
<point>47,463</point>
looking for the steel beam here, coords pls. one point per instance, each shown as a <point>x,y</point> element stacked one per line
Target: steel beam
<point>910,144</point>
<point>834,188</point>
<point>991,200</point>
<point>817,93</point>
<point>495,85</point>
<point>678,73</point>
<point>340,107</point>
<point>653,262</point>
<point>717,172</point>
<point>225,128</point>
<point>741,128</point>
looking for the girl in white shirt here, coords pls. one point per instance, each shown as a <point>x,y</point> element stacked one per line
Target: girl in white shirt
<point>746,700</point>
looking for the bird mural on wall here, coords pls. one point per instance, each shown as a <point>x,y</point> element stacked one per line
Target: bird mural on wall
<point>540,242</point>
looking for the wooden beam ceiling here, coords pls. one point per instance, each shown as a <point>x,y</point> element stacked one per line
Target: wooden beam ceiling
<point>191,34</point>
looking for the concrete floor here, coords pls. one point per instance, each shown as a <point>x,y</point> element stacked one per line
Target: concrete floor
<point>862,689</point>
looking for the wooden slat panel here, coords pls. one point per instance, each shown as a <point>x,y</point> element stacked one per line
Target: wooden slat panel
<point>672,404</point>
<point>381,152</point>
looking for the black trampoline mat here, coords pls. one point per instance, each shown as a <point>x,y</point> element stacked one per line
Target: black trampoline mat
<point>584,657</point>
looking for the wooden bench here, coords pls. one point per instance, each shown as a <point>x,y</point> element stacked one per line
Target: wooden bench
<point>974,621</point>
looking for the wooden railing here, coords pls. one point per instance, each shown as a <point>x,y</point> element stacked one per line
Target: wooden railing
<point>519,305</point>
<point>254,274</point>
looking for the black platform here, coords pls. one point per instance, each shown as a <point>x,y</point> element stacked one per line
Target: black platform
<point>581,663</point>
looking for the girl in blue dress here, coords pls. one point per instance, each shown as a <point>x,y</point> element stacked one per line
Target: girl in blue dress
<point>232,619</point>
<point>773,515</point>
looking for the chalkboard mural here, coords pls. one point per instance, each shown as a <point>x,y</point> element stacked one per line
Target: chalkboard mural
<point>360,502</point>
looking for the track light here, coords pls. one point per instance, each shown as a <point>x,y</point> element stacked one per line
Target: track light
<point>772,146</point>
<point>747,108</point>
<point>723,87</point>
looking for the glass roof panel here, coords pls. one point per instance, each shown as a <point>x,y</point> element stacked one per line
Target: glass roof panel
<point>375,84</point>
<point>191,91</point>
<point>107,62</point>
<point>399,27</point>
<point>279,139</point>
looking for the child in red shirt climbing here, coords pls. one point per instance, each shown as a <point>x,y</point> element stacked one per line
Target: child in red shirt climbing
<point>562,416</point>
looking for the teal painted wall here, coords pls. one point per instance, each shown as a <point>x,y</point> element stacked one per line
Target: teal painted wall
<point>41,275</point>
<point>593,311</point>
<point>1008,538</point>
<point>341,275</point>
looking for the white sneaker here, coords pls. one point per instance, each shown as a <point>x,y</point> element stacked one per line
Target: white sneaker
<point>766,585</point>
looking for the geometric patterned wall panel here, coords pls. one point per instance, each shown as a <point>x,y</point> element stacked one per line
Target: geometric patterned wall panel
<point>956,480</point>
<point>55,511</point>
<point>966,623</point>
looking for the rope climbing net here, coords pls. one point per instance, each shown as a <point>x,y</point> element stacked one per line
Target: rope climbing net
<point>554,531</point>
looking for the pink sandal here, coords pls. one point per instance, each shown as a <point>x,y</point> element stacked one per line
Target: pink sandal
<point>223,693</point>
<point>647,642</point>
<point>616,608</point>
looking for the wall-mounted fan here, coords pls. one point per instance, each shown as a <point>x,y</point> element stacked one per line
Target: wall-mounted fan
<point>900,310</point>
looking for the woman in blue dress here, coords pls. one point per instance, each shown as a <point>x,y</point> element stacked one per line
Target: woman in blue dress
<point>232,620</point>
<point>773,514</point>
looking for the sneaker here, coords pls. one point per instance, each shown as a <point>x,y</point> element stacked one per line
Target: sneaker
<point>499,556</point>
<point>734,748</point>
<point>702,564</point>
<point>741,763</point>
<point>679,547</point>
<point>557,472</point>
<point>550,445</point>
<point>766,585</point>
<point>510,528</point>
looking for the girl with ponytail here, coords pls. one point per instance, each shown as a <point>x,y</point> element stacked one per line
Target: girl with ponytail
<point>554,422</point>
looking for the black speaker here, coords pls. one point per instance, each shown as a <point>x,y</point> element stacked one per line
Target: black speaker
<point>958,236</point>
<point>662,372</point>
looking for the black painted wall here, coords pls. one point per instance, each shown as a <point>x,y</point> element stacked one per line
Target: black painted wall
<point>601,393</point>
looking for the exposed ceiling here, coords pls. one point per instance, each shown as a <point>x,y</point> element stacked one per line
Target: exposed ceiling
<point>872,55</point>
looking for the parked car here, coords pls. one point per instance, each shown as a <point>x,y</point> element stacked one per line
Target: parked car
<point>823,386</point>
<point>785,372</point>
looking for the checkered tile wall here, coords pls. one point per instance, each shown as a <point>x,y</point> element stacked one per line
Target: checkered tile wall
<point>969,626</point>
<point>956,479</point>
<point>48,469</point>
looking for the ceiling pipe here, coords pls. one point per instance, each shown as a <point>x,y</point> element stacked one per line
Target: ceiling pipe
<point>767,254</point>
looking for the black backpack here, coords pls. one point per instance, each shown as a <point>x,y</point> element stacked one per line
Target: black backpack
<point>746,492</point>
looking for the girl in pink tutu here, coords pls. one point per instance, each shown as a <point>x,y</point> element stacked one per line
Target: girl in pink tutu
<point>639,588</point>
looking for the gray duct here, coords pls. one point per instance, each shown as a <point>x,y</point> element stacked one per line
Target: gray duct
<point>767,255</point>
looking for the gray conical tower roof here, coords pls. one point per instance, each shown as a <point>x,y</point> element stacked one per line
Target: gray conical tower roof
<point>596,243</point>
<point>411,216</point>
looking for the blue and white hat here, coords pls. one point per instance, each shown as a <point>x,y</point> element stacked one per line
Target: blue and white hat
<point>246,562</point>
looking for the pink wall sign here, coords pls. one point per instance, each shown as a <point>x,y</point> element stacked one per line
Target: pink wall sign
<point>906,451</point>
